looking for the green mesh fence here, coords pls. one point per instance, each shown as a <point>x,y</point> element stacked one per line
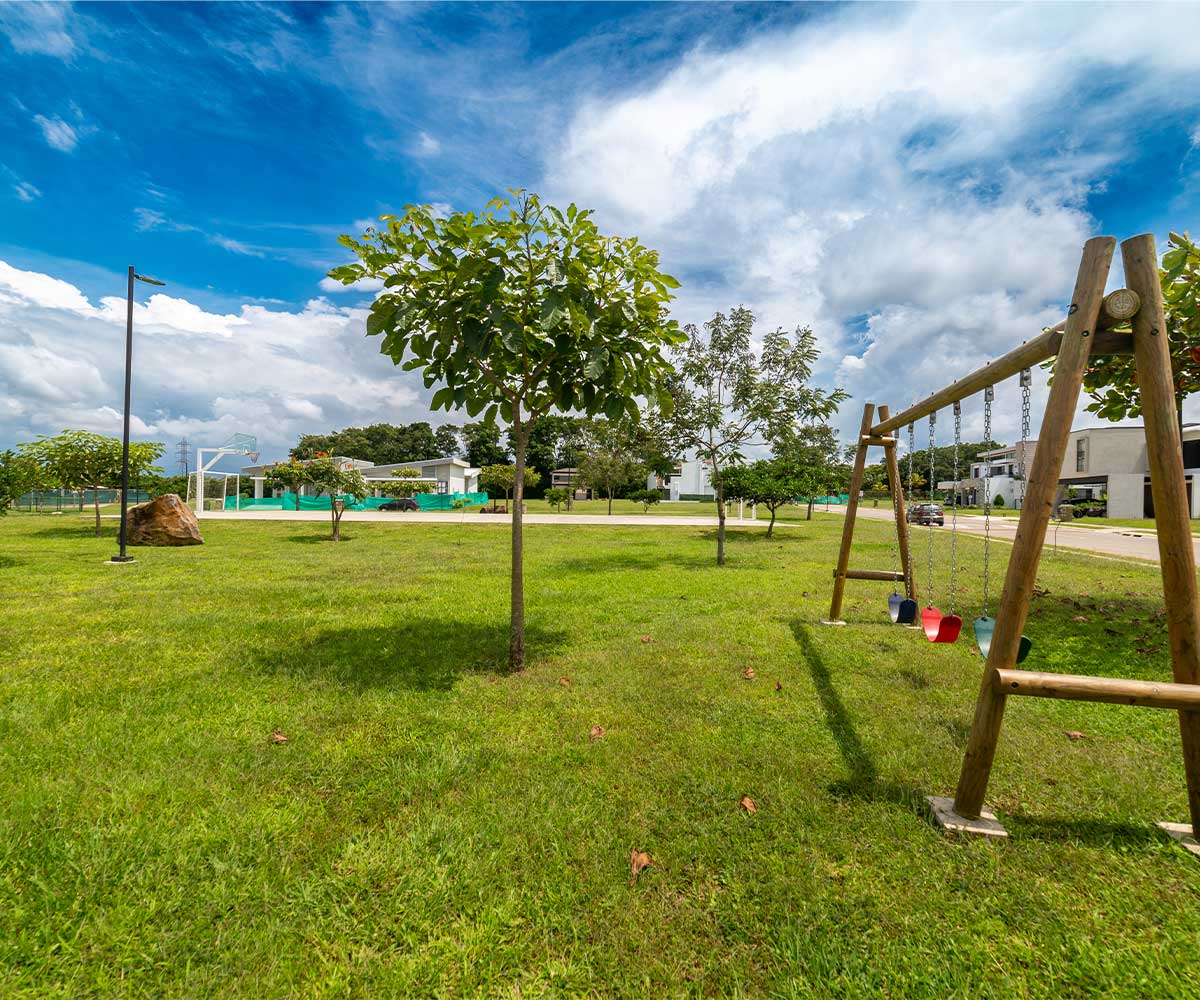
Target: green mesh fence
<point>425,501</point>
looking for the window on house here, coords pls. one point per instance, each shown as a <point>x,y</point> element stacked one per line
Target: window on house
<point>1081,455</point>
<point>443,486</point>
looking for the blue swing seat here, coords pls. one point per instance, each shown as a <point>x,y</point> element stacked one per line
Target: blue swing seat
<point>985,626</point>
<point>902,609</point>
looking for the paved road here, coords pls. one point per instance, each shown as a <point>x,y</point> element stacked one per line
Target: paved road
<point>1121,543</point>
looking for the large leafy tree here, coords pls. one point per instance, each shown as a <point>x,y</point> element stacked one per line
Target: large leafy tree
<point>81,460</point>
<point>18,475</point>
<point>771,484</point>
<point>610,460</point>
<point>482,445</point>
<point>1111,379</point>
<point>728,397</point>
<point>514,312</point>
<point>448,439</point>
<point>381,444</point>
<point>342,483</point>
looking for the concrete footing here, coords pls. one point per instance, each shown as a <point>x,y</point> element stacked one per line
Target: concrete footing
<point>944,815</point>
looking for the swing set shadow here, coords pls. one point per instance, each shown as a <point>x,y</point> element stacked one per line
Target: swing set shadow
<point>864,781</point>
<point>1095,325</point>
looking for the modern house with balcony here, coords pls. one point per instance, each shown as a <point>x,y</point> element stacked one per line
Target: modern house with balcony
<point>689,480</point>
<point>446,475</point>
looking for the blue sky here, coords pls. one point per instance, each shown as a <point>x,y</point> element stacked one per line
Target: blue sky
<point>914,181</point>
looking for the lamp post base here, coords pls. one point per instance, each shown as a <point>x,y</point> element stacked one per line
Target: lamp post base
<point>119,560</point>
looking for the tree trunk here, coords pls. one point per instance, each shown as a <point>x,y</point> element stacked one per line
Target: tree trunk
<point>720,524</point>
<point>337,521</point>
<point>96,503</point>
<point>771,526</point>
<point>516,628</point>
<point>810,507</point>
<point>610,493</point>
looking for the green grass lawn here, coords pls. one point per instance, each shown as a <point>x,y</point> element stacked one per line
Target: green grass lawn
<point>435,826</point>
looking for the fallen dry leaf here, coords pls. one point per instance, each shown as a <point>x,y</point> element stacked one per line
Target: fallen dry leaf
<point>748,673</point>
<point>597,733</point>
<point>564,682</point>
<point>778,686</point>
<point>747,803</point>
<point>1080,618</point>
<point>646,638</point>
<point>1073,734</point>
<point>638,862</point>
<point>278,737</point>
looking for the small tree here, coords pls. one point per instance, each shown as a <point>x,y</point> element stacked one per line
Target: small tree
<point>647,498</point>
<point>772,484</point>
<point>999,501</point>
<point>556,497</point>
<point>288,476</point>
<point>727,396</point>
<point>326,476</point>
<point>503,478</point>
<point>81,460</point>
<point>609,461</point>
<point>516,312</point>
<point>18,475</point>
<point>408,483</point>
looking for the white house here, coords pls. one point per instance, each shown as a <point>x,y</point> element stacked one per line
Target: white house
<point>1113,461</point>
<point>1000,471</point>
<point>690,480</point>
<point>1105,461</point>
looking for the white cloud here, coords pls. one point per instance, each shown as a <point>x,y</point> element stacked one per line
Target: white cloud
<point>38,26</point>
<point>235,246</point>
<point>427,145</point>
<point>271,372</point>
<point>58,133</point>
<point>903,179</point>
<point>26,191</point>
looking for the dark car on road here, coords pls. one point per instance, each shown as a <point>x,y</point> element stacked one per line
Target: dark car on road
<point>404,503</point>
<point>926,513</point>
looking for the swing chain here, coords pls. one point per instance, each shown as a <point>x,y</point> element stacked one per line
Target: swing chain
<point>912,446</point>
<point>1026,382</point>
<point>929,584</point>
<point>987,494</point>
<point>954,507</point>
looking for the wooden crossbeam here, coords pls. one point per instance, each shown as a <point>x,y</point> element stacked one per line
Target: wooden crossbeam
<point>870,574</point>
<point>1110,690</point>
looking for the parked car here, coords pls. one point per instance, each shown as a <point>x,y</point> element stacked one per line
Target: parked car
<point>926,513</point>
<point>404,503</point>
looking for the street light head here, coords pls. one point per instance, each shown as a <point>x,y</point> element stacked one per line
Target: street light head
<point>149,281</point>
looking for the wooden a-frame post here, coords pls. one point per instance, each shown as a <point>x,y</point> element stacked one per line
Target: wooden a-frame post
<point>1177,556</point>
<point>843,572</point>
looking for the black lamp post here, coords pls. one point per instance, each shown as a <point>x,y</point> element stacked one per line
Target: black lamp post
<point>122,557</point>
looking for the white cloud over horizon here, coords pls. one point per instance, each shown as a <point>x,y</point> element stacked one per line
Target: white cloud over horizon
<point>273,373</point>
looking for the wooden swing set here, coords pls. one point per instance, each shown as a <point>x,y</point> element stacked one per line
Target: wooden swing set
<point>1086,331</point>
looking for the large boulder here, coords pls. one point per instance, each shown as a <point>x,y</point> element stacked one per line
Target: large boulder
<point>166,520</point>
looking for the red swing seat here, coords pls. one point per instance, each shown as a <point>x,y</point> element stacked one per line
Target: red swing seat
<point>939,627</point>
